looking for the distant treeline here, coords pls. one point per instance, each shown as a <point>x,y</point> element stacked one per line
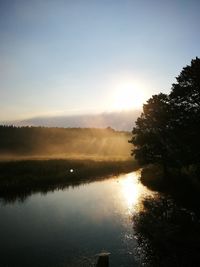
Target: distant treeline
<point>67,142</point>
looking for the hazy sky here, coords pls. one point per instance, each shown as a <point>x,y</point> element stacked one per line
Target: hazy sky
<point>84,56</point>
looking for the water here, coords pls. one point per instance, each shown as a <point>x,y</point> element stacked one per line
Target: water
<point>69,227</point>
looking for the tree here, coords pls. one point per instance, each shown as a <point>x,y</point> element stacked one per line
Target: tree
<point>185,97</point>
<point>150,138</point>
<point>168,130</point>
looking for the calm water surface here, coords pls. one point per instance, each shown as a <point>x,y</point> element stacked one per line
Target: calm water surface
<point>69,227</point>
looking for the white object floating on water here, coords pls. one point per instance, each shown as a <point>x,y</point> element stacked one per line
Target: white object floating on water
<point>71,170</point>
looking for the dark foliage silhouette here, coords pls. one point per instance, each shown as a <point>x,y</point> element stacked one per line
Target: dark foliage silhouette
<point>168,130</point>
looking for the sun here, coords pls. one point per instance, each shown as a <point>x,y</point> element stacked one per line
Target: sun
<point>128,96</point>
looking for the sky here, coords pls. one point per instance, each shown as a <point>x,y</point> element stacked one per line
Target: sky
<point>62,57</point>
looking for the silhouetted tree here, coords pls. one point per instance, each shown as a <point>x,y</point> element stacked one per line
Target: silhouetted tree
<point>168,130</point>
<point>150,136</point>
<point>185,98</point>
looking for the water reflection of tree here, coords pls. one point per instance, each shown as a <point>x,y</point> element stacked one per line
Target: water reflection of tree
<point>167,234</point>
<point>20,193</point>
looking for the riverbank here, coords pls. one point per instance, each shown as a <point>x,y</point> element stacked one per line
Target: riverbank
<point>182,184</point>
<point>21,178</point>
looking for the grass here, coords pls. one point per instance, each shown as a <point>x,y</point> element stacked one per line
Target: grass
<point>18,179</point>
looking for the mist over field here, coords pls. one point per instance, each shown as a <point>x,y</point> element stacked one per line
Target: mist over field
<point>78,143</point>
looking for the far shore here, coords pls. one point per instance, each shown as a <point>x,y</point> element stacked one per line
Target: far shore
<point>20,178</point>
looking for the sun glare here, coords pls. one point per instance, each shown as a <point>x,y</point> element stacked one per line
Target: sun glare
<point>131,190</point>
<point>128,96</point>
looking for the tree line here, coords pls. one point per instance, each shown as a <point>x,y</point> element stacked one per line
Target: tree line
<point>39,141</point>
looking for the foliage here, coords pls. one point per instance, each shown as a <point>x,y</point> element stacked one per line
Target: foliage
<point>149,135</point>
<point>185,98</point>
<point>168,130</point>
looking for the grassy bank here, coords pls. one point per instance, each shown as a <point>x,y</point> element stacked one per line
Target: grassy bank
<point>21,178</point>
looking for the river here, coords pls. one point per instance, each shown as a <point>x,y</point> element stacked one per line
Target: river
<point>70,227</point>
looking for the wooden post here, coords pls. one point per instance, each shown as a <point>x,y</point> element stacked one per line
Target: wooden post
<point>103,260</point>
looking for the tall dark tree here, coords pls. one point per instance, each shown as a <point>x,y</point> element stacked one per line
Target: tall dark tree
<point>150,134</point>
<point>168,130</point>
<point>185,98</point>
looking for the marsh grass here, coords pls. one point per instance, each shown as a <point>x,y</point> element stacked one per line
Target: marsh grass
<point>18,179</point>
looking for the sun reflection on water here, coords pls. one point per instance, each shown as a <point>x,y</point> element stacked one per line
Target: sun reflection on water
<point>132,191</point>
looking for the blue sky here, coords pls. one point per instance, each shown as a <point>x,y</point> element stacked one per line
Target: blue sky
<point>83,56</point>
